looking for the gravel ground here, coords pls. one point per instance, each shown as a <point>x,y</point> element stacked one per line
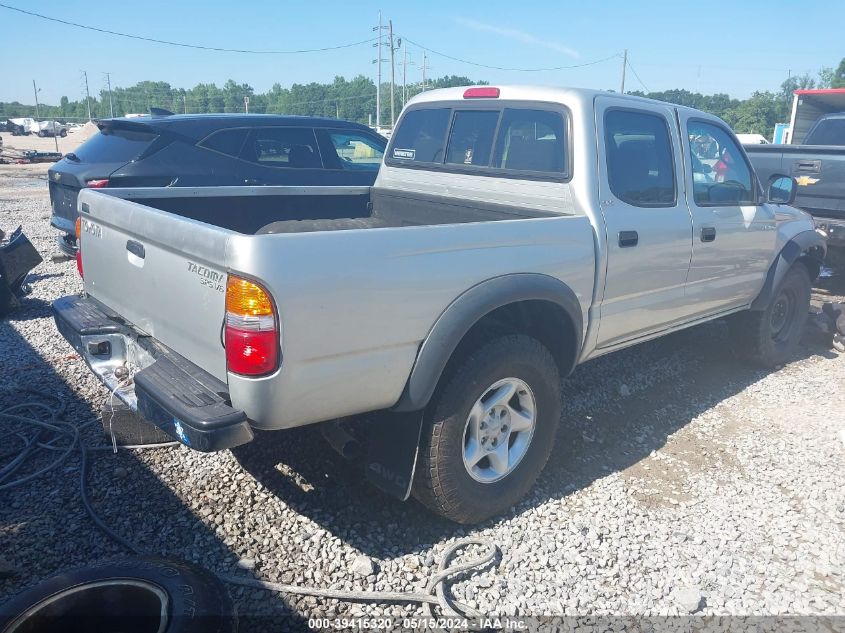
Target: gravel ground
<point>681,481</point>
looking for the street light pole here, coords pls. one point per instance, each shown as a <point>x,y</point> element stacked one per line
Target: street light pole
<point>35,90</point>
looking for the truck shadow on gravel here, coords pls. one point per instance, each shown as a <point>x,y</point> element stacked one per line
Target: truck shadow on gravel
<point>617,410</point>
<point>43,526</point>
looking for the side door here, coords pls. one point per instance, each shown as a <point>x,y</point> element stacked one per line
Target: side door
<point>649,229</point>
<point>282,156</point>
<point>734,233</point>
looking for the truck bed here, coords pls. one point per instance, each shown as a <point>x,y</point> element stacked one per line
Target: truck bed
<point>270,210</point>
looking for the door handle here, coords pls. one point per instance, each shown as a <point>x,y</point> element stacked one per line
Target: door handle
<point>627,239</point>
<point>136,248</point>
<point>708,233</point>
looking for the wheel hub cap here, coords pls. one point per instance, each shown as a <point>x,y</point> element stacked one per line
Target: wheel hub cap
<point>499,429</point>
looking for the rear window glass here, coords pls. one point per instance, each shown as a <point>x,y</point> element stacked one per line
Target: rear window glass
<point>828,132</point>
<point>421,136</point>
<point>227,142</point>
<point>471,138</point>
<point>640,165</point>
<point>114,146</point>
<point>531,140</point>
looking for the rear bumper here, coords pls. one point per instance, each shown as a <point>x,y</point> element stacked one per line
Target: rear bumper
<point>166,389</point>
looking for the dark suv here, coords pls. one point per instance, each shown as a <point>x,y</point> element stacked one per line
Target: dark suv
<point>212,150</point>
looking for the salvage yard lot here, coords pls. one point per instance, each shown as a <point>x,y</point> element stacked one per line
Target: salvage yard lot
<point>681,481</point>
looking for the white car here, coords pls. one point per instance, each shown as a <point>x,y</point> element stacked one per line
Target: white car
<point>48,128</point>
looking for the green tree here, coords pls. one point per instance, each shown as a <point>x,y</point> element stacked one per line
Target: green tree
<point>838,79</point>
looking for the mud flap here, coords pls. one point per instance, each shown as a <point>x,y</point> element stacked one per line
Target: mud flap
<point>17,257</point>
<point>391,450</point>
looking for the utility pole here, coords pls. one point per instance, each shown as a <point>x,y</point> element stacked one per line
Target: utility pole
<point>246,104</point>
<point>405,64</point>
<point>35,90</point>
<point>111,105</point>
<point>425,67</point>
<point>87,94</point>
<point>185,102</point>
<point>392,77</point>
<point>378,60</point>
<point>624,66</point>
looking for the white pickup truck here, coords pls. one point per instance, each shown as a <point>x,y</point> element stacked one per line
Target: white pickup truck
<point>512,234</point>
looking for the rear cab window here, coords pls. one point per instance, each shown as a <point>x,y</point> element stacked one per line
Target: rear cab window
<point>827,132</point>
<point>115,145</point>
<point>497,140</point>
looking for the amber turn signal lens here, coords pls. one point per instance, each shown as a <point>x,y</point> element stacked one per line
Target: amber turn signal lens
<point>78,227</point>
<point>246,298</point>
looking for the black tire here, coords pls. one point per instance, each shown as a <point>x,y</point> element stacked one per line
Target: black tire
<point>441,481</point>
<point>770,337</point>
<point>196,600</point>
<point>41,133</point>
<point>63,133</point>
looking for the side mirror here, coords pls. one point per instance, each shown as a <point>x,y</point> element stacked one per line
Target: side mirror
<point>782,189</point>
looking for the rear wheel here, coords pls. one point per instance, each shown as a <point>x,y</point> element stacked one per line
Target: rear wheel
<point>490,430</point>
<point>770,337</point>
<point>63,133</point>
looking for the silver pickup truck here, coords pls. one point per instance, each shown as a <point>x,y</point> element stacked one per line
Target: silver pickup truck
<point>512,234</point>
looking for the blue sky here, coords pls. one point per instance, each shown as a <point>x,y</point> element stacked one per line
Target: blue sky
<point>710,46</point>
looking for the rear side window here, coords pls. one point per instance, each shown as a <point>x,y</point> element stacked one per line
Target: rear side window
<point>471,138</point>
<point>293,147</point>
<point>421,136</point>
<point>531,140</point>
<point>229,142</point>
<point>640,166</point>
<point>114,146</point>
<point>828,132</point>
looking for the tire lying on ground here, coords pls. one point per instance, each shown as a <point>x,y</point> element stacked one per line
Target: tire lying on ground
<point>489,430</point>
<point>770,337</point>
<point>131,596</point>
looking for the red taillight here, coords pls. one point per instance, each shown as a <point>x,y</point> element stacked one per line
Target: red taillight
<point>79,262</point>
<point>98,183</point>
<point>483,92</point>
<point>251,334</point>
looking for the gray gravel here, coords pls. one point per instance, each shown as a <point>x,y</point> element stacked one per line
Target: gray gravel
<point>681,482</point>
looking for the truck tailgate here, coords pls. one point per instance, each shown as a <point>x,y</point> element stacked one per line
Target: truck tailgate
<point>164,274</point>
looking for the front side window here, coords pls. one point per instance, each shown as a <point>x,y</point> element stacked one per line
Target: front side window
<point>421,136</point>
<point>357,151</point>
<point>292,147</point>
<point>719,172</point>
<point>531,140</point>
<point>640,165</point>
<point>471,138</point>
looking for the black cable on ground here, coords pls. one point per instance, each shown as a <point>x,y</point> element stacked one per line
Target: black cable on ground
<point>39,437</point>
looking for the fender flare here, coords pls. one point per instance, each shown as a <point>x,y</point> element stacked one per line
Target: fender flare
<point>807,243</point>
<point>465,311</point>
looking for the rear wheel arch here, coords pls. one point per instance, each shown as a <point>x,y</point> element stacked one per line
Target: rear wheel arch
<point>538,305</point>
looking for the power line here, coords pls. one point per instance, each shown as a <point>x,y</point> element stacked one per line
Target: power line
<point>637,76</point>
<point>181,44</point>
<point>523,70</point>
